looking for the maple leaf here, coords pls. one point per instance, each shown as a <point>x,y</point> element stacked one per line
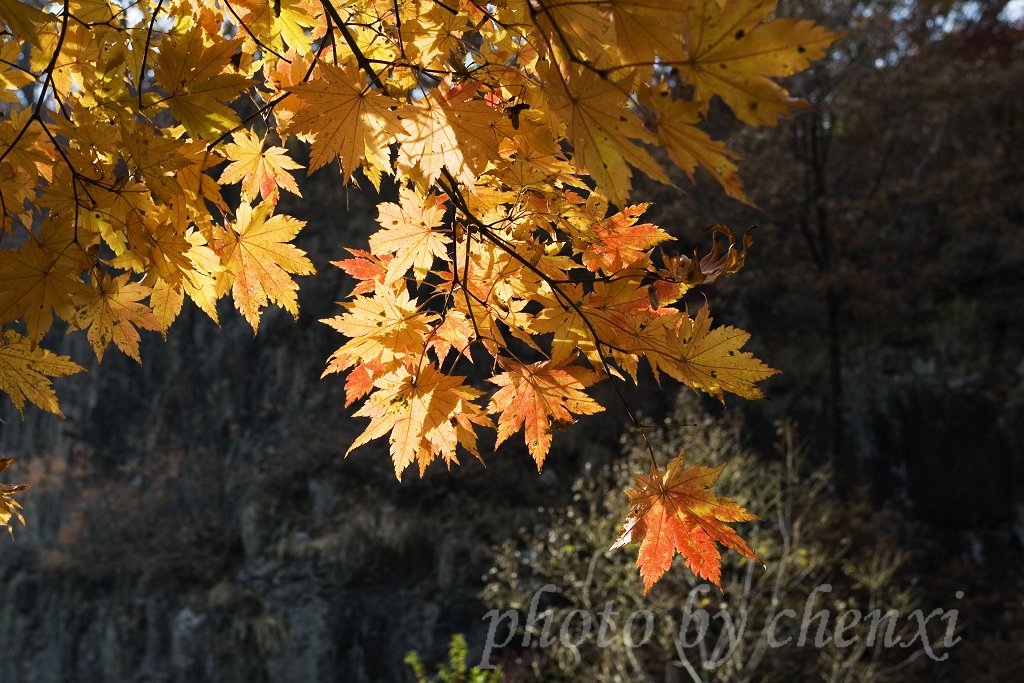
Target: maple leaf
<point>601,130</point>
<point>454,132</point>
<point>366,268</point>
<point>673,123</point>
<point>9,508</point>
<point>409,232</point>
<point>428,414</point>
<point>35,283</point>
<point>12,79</point>
<point>618,243</point>
<point>538,398</point>
<point>26,369</point>
<point>349,120</point>
<point>200,283</point>
<point>194,74</point>
<point>153,158</point>
<point>111,312</point>
<point>23,19</point>
<point>261,171</point>
<point>675,512</point>
<point>709,359</point>
<point>649,29</point>
<point>281,21</point>
<point>734,51</point>
<point>383,327</point>
<point>256,253</point>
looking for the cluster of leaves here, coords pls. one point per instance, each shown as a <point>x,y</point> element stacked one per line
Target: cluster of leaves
<point>511,128</point>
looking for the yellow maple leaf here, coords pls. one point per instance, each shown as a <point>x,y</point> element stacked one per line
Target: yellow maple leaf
<point>348,119</point>
<point>409,231</point>
<point>35,283</point>
<point>455,131</point>
<point>199,83</point>
<point>24,20</point>
<point>428,414</point>
<point>26,369</point>
<point>154,158</point>
<point>261,171</point>
<point>600,129</point>
<point>257,255</point>
<point>706,359</point>
<point>111,312</point>
<point>12,76</point>
<point>734,51</point>
<point>674,125</point>
<point>279,22</point>
<point>646,29</point>
<point>200,283</point>
<point>383,327</point>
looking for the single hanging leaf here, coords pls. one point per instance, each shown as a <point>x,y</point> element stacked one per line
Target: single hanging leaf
<point>9,508</point>
<point>675,512</point>
<point>256,252</point>
<point>111,312</point>
<point>539,398</point>
<point>25,372</point>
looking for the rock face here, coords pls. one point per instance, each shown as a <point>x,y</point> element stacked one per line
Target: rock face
<point>193,521</point>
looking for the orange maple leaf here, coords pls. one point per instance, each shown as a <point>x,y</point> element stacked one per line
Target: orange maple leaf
<point>619,243</point>
<point>674,512</point>
<point>366,268</point>
<point>542,396</point>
